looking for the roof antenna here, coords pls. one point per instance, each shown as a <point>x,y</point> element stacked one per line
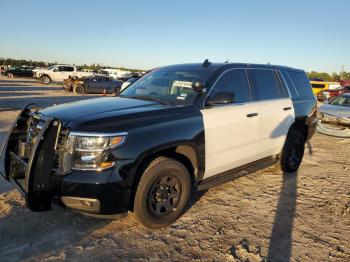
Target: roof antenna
<point>206,63</point>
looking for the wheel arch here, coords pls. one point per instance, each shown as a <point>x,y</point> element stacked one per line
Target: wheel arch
<point>183,153</point>
<point>47,76</point>
<point>301,126</point>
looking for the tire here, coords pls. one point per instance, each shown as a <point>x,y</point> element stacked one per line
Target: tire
<point>162,194</point>
<point>45,79</point>
<point>79,89</point>
<point>10,75</point>
<point>116,91</point>
<point>292,152</point>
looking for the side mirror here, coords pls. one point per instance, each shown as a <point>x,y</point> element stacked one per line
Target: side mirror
<point>221,98</point>
<point>198,86</point>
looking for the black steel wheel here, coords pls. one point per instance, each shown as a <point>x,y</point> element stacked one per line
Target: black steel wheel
<point>164,196</point>
<point>293,152</point>
<point>162,193</point>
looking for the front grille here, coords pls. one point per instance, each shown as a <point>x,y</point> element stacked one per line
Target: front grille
<point>60,158</point>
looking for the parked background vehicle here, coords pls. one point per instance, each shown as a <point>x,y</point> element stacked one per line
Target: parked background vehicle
<point>19,72</point>
<point>318,86</point>
<point>329,94</point>
<point>114,73</point>
<point>334,118</point>
<point>96,85</point>
<point>58,73</point>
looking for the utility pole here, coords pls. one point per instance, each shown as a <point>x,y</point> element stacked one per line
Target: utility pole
<point>342,72</point>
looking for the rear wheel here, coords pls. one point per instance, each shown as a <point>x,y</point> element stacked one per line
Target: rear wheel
<point>45,80</point>
<point>292,152</point>
<point>79,89</point>
<point>10,75</point>
<point>162,194</point>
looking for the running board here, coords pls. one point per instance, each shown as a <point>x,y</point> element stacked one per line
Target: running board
<point>236,173</point>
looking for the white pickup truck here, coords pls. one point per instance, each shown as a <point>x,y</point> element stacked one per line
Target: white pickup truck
<point>57,73</point>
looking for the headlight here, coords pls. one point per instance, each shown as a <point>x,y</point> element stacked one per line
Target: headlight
<point>92,151</point>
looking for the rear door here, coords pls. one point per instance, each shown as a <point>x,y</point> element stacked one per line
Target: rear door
<point>275,109</point>
<point>231,129</point>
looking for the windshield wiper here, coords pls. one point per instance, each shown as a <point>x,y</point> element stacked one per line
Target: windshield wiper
<point>150,98</point>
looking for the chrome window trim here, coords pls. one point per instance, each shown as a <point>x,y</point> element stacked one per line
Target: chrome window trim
<point>280,75</point>
<point>249,86</point>
<point>92,134</point>
<point>290,79</point>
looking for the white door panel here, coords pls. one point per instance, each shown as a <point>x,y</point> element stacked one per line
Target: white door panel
<point>275,116</point>
<point>230,137</point>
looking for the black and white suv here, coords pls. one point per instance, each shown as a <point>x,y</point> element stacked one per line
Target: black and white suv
<point>177,129</point>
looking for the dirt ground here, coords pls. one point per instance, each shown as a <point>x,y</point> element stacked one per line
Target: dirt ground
<point>265,216</point>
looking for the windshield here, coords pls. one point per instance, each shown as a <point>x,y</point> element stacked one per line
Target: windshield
<point>51,67</point>
<point>341,101</point>
<point>170,85</point>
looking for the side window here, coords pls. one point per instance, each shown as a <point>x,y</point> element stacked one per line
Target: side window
<point>69,69</point>
<point>281,84</point>
<point>301,83</point>
<point>291,88</point>
<point>60,69</point>
<point>264,84</point>
<point>232,87</point>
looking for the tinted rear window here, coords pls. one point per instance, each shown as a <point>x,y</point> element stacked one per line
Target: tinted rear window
<point>265,84</point>
<point>301,83</point>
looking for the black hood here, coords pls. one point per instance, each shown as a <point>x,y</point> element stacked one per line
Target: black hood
<point>107,113</point>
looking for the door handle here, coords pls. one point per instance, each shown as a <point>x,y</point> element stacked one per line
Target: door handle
<point>252,114</point>
<point>287,108</point>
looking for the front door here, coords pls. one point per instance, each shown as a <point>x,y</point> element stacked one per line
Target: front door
<point>231,124</point>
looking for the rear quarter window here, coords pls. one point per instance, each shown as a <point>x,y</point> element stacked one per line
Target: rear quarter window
<point>301,83</point>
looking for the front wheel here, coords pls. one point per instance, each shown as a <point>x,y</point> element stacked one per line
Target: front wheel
<point>10,75</point>
<point>292,152</point>
<point>162,194</point>
<point>45,80</point>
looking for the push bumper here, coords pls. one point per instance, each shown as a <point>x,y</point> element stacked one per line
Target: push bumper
<point>96,192</point>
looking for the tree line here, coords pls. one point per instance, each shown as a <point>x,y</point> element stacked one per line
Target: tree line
<point>21,62</point>
<point>329,77</point>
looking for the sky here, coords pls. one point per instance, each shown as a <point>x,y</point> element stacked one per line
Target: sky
<point>312,35</point>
